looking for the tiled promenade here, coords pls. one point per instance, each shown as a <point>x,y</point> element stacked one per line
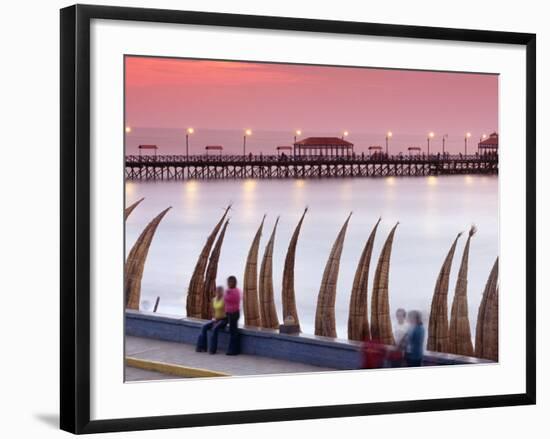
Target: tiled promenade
<point>185,355</point>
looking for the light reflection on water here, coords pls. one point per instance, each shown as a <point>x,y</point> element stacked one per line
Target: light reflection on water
<point>430,210</point>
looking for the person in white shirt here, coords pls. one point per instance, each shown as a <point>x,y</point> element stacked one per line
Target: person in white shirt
<point>402,327</point>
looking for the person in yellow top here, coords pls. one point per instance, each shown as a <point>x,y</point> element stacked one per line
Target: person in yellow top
<point>218,323</point>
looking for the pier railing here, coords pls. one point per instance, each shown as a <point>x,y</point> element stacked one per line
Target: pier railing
<point>170,167</point>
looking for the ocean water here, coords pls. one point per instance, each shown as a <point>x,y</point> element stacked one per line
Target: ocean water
<point>430,210</point>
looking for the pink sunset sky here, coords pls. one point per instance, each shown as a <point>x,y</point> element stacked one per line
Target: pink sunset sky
<point>179,93</point>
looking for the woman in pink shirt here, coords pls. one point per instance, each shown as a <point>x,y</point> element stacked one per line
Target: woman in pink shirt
<point>232,300</point>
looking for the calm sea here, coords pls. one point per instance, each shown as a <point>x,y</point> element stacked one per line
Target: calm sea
<point>431,211</point>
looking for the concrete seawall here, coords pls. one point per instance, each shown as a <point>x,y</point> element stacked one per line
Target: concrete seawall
<point>302,348</point>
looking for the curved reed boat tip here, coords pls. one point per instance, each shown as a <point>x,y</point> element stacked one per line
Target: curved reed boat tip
<point>251,304</point>
<point>438,328</point>
<point>325,319</point>
<point>268,311</point>
<point>209,287</point>
<point>196,284</point>
<point>460,339</point>
<point>381,327</point>
<point>287,292</point>
<point>128,210</point>
<point>486,345</point>
<point>358,321</point>
<point>135,263</point>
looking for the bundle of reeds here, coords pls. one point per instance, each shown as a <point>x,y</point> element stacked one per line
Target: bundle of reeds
<point>288,293</point>
<point>250,285</point>
<point>487,319</point>
<point>325,320</point>
<point>196,284</point>
<point>380,321</point>
<point>135,263</point>
<point>438,329</point>
<point>358,320</point>
<point>131,208</point>
<point>268,311</point>
<point>209,289</point>
<point>460,339</point>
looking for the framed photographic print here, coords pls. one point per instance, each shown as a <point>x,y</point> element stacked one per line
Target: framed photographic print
<point>269,207</point>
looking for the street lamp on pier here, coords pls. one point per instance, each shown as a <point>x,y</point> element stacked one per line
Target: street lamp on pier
<point>128,130</point>
<point>389,135</point>
<point>345,134</point>
<point>247,132</point>
<point>188,132</point>
<point>431,135</point>
<point>466,137</point>
<point>481,139</point>
<point>296,134</point>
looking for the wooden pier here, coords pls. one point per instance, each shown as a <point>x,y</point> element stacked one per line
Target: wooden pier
<point>212,167</point>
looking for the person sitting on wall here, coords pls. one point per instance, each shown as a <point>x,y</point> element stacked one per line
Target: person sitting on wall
<point>216,324</point>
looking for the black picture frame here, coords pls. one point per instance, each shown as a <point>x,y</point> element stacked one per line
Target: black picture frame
<point>75,217</point>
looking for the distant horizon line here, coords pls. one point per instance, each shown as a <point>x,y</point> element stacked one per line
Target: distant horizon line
<point>305,132</point>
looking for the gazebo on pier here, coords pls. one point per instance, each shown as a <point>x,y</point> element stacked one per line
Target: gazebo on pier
<point>375,151</point>
<point>283,148</point>
<point>153,148</point>
<point>489,145</point>
<point>218,148</point>
<point>326,146</point>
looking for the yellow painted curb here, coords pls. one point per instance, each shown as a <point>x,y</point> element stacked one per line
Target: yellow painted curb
<point>172,369</point>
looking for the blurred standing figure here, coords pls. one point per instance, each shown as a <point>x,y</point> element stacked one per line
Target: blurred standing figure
<point>232,310</point>
<point>414,340</point>
<point>402,327</point>
<point>373,354</point>
<point>216,324</point>
<point>395,355</point>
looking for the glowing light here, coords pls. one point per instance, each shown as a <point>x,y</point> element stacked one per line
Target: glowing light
<point>389,134</point>
<point>130,189</point>
<point>191,187</point>
<point>300,183</point>
<point>248,132</point>
<point>128,129</point>
<point>190,130</point>
<point>468,135</point>
<point>346,133</point>
<point>249,185</point>
<point>432,181</point>
<point>390,181</point>
<point>484,136</point>
<point>298,132</point>
<point>431,134</point>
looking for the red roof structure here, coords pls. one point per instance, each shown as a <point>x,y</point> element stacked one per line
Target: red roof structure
<point>490,143</point>
<point>323,141</point>
<point>328,146</point>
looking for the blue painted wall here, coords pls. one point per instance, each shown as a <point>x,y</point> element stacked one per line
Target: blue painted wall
<point>302,348</point>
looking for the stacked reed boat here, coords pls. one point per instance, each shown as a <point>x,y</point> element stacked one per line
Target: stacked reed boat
<point>446,335</point>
